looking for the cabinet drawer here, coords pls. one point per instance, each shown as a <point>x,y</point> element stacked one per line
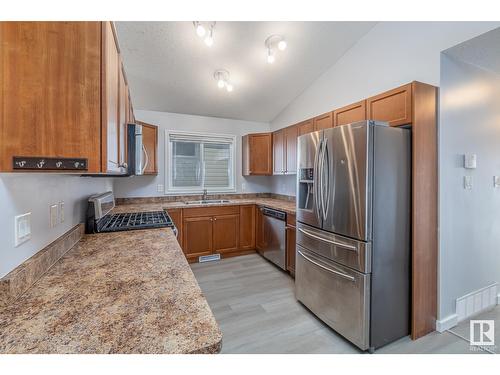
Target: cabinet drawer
<point>210,211</point>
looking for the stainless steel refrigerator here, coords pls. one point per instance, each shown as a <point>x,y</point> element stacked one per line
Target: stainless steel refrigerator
<point>353,230</point>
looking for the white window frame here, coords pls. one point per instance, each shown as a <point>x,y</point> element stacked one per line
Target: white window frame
<point>171,190</point>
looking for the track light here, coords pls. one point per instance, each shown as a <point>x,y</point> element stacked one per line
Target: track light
<point>201,31</point>
<point>272,43</point>
<point>222,78</point>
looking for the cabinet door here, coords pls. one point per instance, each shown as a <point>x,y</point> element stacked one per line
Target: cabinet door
<point>226,229</point>
<point>110,101</point>
<point>290,249</point>
<point>259,229</point>
<point>122,116</point>
<point>291,134</point>
<point>176,216</point>
<point>259,154</point>
<point>351,113</point>
<point>150,143</point>
<point>325,121</point>
<point>50,82</point>
<point>247,227</point>
<point>306,127</point>
<point>393,106</point>
<point>197,237</point>
<point>278,152</point>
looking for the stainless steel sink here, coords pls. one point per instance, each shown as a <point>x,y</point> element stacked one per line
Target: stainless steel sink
<point>208,201</point>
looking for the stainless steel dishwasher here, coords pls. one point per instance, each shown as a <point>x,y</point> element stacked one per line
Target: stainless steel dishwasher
<point>274,249</point>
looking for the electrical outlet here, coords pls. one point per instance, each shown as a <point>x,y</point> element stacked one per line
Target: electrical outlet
<point>468,182</point>
<point>496,182</point>
<point>53,215</point>
<point>159,188</point>
<point>22,228</point>
<point>61,211</point>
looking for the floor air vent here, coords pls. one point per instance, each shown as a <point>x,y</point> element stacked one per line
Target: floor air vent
<point>208,258</point>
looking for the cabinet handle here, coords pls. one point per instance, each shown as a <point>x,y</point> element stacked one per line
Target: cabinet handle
<point>215,219</point>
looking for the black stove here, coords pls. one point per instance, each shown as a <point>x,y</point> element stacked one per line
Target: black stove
<point>134,220</point>
<point>101,219</point>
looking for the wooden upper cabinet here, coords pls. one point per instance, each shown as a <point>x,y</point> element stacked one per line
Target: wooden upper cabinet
<point>247,227</point>
<point>325,121</point>
<point>257,154</point>
<point>305,127</point>
<point>122,116</point>
<point>150,143</point>
<point>393,106</point>
<point>279,153</point>
<point>50,91</point>
<point>351,113</point>
<point>112,102</point>
<point>226,233</point>
<point>290,142</point>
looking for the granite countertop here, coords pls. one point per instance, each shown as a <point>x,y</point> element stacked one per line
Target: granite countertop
<point>121,292</point>
<point>278,204</point>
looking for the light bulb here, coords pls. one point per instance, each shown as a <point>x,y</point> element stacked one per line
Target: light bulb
<point>270,58</point>
<point>220,83</point>
<point>200,30</point>
<point>209,40</point>
<point>282,45</point>
<point>229,87</point>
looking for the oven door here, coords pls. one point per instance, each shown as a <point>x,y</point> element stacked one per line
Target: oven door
<point>337,295</point>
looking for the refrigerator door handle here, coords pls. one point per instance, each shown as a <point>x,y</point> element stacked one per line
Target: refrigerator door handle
<point>327,171</point>
<point>341,274</point>
<point>336,243</point>
<point>322,182</point>
<point>316,189</point>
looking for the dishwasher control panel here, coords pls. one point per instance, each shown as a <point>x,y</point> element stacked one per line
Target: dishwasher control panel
<point>273,213</point>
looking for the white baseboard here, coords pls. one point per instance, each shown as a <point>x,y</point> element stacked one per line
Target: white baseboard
<point>446,323</point>
<point>477,301</point>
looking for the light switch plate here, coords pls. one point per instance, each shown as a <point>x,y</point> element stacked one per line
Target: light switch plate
<point>159,188</point>
<point>61,211</point>
<point>53,215</point>
<point>470,161</point>
<point>22,228</point>
<point>468,182</point>
<point>496,181</point>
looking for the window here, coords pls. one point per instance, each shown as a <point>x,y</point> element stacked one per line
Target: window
<point>198,161</point>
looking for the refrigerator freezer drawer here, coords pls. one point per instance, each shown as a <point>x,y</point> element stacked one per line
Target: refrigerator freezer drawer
<point>337,295</point>
<point>340,249</point>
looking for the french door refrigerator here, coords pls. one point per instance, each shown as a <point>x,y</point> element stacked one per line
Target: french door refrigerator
<point>353,230</point>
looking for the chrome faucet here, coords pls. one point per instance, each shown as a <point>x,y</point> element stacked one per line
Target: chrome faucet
<point>205,195</point>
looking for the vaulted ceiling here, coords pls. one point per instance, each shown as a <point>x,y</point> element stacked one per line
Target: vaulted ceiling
<point>170,69</point>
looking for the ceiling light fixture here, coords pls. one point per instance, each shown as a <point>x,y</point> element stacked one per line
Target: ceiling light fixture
<point>201,31</point>
<point>222,78</point>
<point>272,43</point>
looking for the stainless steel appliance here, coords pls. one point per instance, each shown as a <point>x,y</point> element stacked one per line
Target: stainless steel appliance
<point>100,219</point>
<point>353,230</point>
<point>137,154</point>
<point>274,223</point>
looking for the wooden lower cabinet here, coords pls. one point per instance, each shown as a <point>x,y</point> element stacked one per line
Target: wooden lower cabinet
<point>226,229</point>
<point>197,237</point>
<point>247,227</point>
<point>290,244</point>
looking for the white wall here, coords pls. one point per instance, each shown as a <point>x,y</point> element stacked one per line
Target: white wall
<point>469,219</point>
<point>146,186</point>
<point>389,55</point>
<point>21,193</point>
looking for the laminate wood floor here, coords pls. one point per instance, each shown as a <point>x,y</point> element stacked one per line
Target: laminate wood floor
<point>253,301</point>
